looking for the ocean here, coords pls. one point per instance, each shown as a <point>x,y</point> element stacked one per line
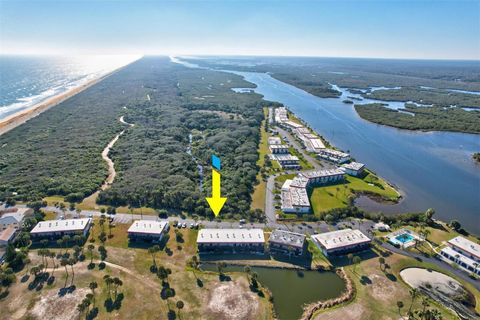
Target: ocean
<point>28,80</point>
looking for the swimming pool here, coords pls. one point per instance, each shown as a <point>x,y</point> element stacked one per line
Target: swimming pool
<point>403,238</point>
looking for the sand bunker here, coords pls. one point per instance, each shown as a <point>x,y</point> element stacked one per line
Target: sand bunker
<point>54,307</point>
<point>416,277</point>
<point>233,300</point>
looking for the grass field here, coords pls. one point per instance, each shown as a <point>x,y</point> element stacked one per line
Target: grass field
<point>132,266</point>
<point>378,291</point>
<point>258,196</point>
<point>337,196</point>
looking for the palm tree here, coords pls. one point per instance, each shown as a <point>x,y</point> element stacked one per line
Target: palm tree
<point>93,285</point>
<point>413,294</point>
<point>400,306</point>
<point>180,306</point>
<point>71,262</point>
<point>108,281</point>
<point>81,307</point>
<point>153,251</point>
<point>221,266</point>
<point>117,283</point>
<point>424,306</point>
<point>66,239</point>
<point>90,250</point>
<point>35,270</point>
<point>356,261</point>
<point>350,258</point>
<point>44,243</point>
<point>64,263</point>
<point>194,264</point>
<point>247,270</point>
<point>381,260</point>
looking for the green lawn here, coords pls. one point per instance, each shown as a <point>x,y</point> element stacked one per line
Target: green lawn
<point>336,196</point>
<point>284,177</point>
<point>258,196</point>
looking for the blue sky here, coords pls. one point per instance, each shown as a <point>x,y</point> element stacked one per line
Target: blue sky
<point>388,29</point>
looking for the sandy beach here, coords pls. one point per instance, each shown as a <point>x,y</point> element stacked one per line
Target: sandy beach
<point>23,116</point>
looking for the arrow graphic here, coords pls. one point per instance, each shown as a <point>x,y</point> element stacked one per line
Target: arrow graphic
<point>216,202</point>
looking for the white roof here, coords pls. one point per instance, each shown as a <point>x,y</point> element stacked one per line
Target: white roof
<point>302,130</point>
<point>466,245</point>
<point>321,173</point>
<point>286,237</point>
<point>317,143</point>
<point>148,226</point>
<point>340,238</point>
<point>285,157</point>
<point>354,166</point>
<point>294,197</point>
<point>274,140</point>
<point>278,146</point>
<point>469,262</point>
<point>230,236</point>
<point>61,225</point>
<point>334,153</point>
<point>292,124</point>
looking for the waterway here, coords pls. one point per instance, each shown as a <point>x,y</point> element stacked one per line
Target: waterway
<point>431,169</point>
<point>292,289</point>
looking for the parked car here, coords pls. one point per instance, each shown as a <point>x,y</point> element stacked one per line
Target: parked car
<point>192,225</point>
<point>175,223</point>
<point>242,221</point>
<point>184,225</point>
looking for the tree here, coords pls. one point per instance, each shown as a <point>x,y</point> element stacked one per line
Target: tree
<point>455,225</point>
<point>413,294</point>
<point>64,262</point>
<point>162,273</point>
<point>35,270</point>
<point>221,266</point>
<point>153,251</point>
<point>116,283</point>
<point>247,270</point>
<point>180,306</point>
<point>350,258</point>
<point>356,261</point>
<point>93,285</point>
<point>194,264</point>
<point>90,250</point>
<point>381,260</point>
<point>108,281</point>
<point>400,306</point>
<point>428,215</point>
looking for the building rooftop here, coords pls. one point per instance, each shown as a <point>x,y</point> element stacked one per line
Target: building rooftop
<point>292,124</point>
<point>61,225</point>
<point>317,143</point>
<point>286,237</point>
<point>354,166</point>
<point>148,226</point>
<point>285,157</point>
<point>230,236</point>
<point>466,245</point>
<point>322,173</point>
<point>460,257</point>
<point>294,197</point>
<point>335,153</point>
<point>13,215</point>
<point>278,146</point>
<point>302,131</point>
<point>340,238</point>
<point>274,140</point>
<point>299,182</point>
<point>7,234</point>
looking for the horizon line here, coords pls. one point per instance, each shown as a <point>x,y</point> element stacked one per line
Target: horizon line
<point>210,55</point>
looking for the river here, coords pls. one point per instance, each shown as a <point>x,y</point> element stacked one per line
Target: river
<point>431,169</point>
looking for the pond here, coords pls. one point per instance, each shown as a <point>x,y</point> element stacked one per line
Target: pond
<point>292,289</point>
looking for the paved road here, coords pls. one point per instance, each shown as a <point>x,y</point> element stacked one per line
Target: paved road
<point>318,165</point>
<point>270,200</point>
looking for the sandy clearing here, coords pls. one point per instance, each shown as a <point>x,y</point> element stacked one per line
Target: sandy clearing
<point>353,311</point>
<point>416,277</point>
<point>233,300</point>
<point>54,307</point>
